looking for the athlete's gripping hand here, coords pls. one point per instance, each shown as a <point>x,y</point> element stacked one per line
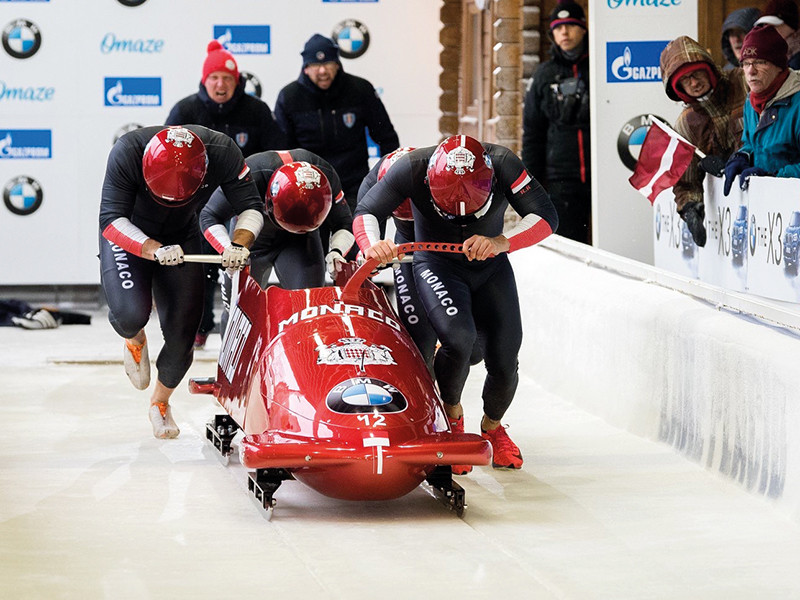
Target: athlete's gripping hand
<point>235,257</point>
<point>333,262</point>
<point>383,250</point>
<point>480,247</point>
<point>169,255</point>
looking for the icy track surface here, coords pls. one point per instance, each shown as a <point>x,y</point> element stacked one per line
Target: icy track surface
<point>92,506</point>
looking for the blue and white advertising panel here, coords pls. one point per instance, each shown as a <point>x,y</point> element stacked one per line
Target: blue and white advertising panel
<point>753,242</point>
<point>626,86</point>
<point>70,85</point>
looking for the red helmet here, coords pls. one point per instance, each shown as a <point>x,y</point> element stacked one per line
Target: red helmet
<point>404,210</point>
<point>174,165</point>
<point>299,197</point>
<point>460,179</point>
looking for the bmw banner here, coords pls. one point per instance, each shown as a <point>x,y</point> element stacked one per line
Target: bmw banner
<point>74,80</point>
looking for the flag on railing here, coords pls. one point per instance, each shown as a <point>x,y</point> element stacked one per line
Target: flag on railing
<point>663,158</point>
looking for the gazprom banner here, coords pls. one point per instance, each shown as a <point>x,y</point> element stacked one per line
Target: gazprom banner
<point>626,86</point>
<point>70,85</point>
<point>753,242</point>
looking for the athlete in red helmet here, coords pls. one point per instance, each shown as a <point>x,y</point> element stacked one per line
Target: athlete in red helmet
<point>459,192</point>
<point>301,191</point>
<point>157,180</point>
<point>298,197</point>
<point>460,179</point>
<point>174,166</point>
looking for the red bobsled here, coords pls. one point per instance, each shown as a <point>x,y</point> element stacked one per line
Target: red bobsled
<point>329,389</point>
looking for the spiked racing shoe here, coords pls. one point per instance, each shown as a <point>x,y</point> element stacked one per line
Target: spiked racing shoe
<point>137,364</point>
<point>457,426</point>
<point>505,453</point>
<point>164,426</point>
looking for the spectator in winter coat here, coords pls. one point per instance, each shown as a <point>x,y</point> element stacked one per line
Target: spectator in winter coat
<point>555,127</point>
<point>328,112</point>
<point>735,27</point>
<point>712,119</point>
<point>771,113</point>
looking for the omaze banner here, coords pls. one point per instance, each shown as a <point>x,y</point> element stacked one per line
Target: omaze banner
<point>753,240</point>
<point>75,75</point>
<point>627,37</point>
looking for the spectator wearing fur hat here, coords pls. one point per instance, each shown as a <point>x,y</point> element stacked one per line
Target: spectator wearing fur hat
<point>328,111</point>
<point>222,104</point>
<point>712,119</point>
<point>784,15</point>
<point>555,127</point>
<point>771,112</point>
<point>734,28</point>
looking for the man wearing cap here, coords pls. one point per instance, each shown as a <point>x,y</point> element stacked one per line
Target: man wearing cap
<point>555,127</point>
<point>771,112</point>
<point>328,111</point>
<point>712,119</point>
<point>221,104</point>
<point>784,15</point>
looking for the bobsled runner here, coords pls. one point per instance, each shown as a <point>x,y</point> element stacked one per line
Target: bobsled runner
<point>329,389</point>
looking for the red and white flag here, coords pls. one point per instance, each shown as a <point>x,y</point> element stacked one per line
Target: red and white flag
<point>663,158</point>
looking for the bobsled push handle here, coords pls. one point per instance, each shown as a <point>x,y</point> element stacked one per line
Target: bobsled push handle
<point>203,258</point>
<point>358,278</point>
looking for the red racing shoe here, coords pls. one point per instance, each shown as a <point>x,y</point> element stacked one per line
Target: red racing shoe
<point>505,453</point>
<point>457,426</point>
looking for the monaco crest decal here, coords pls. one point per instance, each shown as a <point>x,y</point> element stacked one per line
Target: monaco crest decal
<point>353,351</point>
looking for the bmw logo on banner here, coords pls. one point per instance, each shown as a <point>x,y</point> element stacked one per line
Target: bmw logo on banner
<point>127,128</point>
<point>352,37</point>
<point>365,395</point>
<point>631,137</point>
<point>23,195</point>
<point>21,38</point>
<point>252,84</point>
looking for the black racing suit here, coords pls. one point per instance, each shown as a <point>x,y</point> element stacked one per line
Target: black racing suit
<point>130,282</point>
<point>298,259</point>
<point>409,306</point>
<point>461,296</point>
<point>249,122</point>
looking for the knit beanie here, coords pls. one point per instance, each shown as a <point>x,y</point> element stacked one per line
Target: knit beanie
<point>319,49</point>
<point>777,12</point>
<point>219,59</point>
<point>763,42</point>
<point>567,12</point>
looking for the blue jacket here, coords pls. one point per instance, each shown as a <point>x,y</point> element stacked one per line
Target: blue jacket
<point>773,141</point>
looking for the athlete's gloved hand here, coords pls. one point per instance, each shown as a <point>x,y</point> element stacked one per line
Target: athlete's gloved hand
<point>235,257</point>
<point>744,176</point>
<point>736,164</point>
<point>169,255</point>
<point>333,262</point>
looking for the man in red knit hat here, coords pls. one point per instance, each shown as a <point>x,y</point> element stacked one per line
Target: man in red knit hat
<point>221,104</point>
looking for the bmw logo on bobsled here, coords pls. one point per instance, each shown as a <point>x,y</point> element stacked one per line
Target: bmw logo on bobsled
<point>325,386</point>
